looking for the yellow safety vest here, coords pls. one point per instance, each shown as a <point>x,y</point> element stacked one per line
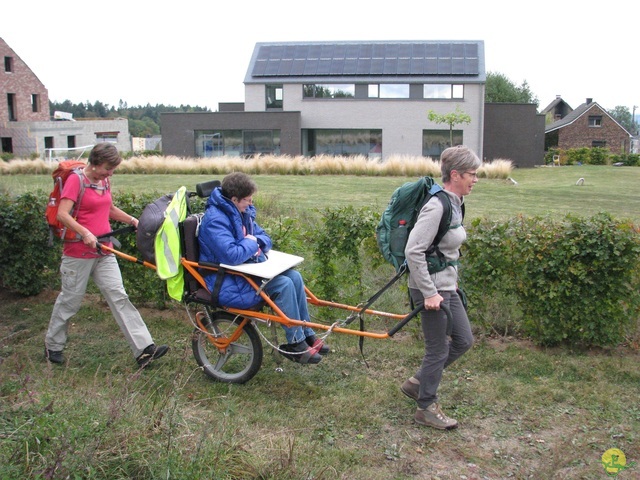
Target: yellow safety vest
<point>167,245</point>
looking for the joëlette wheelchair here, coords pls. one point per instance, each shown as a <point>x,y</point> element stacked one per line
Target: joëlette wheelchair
<point>226,342</point>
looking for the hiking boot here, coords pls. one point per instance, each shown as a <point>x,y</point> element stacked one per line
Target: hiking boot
<point>317,345</point>
<point>53,356</point>
<point>300,353</point>
<point>410,389</point>
<point>433,416</point>
<point>151,353</point>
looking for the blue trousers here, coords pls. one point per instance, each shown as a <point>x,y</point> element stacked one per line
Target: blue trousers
<point>287,292</point>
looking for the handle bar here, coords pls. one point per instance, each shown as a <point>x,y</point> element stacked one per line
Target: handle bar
<point>415,311</point>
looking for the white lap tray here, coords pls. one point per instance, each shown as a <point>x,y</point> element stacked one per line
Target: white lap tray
<point>276,263</point>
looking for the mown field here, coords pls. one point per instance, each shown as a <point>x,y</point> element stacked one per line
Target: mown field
<point>525,412</point>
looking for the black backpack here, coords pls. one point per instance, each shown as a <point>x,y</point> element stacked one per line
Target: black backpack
<point>149,222</point>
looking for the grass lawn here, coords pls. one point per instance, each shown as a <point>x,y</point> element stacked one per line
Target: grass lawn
<point>525,412</point>
<point>539,191</point>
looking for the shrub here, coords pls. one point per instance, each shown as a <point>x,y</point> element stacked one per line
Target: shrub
<point>27,264</point>
<point>575,279</point>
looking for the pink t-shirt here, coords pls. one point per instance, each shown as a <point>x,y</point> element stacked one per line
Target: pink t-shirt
<point>93,214</point>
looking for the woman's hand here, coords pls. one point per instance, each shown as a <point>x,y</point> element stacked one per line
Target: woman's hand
<point>433,303</point>
<point>90,240</point>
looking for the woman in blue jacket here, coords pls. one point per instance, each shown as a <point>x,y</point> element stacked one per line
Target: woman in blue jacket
<point>229,234</point>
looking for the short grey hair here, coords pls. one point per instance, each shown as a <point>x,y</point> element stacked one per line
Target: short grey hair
<point>459,158</point>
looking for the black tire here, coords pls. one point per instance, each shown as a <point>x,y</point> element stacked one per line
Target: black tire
<point>243,358</point>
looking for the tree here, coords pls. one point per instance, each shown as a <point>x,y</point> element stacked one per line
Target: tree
<point>499,89</point>
<point>623,116</point>
<point>451,119</point>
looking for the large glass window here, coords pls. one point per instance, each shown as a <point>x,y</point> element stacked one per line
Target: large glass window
<point>329,90</point>
<point>344,142</point>
<point>274,94</point>
<point>434,142</point>
<point>392,90</point>
<point>443,91</point>
<point>235,143</point>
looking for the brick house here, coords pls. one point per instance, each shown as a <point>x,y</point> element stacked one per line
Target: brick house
<point>589,125</point>
<point>26,126</point>
<point>556,110</point>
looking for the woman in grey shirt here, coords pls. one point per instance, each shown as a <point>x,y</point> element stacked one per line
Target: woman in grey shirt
<point>459,167</point>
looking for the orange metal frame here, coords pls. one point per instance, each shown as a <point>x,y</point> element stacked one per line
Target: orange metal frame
<point>277,316</point>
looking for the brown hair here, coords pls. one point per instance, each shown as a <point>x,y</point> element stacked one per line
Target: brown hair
<point>105,153</point>
<point>239,185</point>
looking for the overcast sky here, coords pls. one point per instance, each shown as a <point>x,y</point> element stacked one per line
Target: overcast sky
<point>197,52</point>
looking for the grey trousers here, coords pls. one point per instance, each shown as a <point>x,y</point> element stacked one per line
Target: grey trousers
<point>106,275</point>
<point>440,350</point>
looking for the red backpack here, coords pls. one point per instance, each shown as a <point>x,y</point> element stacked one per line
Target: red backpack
<point>60,175</point>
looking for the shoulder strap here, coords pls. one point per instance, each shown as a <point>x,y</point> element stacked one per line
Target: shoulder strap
<point>445,221</point>
<point>76,206</point>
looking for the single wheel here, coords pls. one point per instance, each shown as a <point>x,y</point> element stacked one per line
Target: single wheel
<point>240,361</point>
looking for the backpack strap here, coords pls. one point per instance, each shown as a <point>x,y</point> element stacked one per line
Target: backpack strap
<point>445,220</point>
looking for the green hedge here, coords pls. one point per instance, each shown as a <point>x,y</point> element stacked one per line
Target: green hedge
<point>575,280</point>
<point>565,280</point>
<point>591,156</point>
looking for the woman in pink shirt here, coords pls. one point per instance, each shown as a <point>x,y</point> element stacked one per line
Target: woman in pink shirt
<point>81,259</point>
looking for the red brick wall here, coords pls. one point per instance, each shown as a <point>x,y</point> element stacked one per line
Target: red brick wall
<point>23,83</point>
<point>579,134</point>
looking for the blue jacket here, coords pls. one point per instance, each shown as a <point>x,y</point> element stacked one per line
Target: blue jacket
<point>222,240</point>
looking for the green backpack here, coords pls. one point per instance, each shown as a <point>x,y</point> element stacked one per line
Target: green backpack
<point>400,216</point>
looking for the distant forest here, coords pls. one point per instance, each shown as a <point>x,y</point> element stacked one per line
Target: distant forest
<point>144,121</point>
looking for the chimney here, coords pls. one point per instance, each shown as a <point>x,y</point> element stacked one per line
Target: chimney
<point>589,100</point>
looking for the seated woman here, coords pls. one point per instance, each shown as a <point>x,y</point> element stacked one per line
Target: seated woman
<point>229,234</point>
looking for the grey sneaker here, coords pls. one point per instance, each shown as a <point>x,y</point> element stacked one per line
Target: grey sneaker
<point>410,389</point>
<point>433,416</point>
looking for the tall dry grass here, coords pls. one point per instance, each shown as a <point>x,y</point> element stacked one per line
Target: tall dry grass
<point>396,165</point>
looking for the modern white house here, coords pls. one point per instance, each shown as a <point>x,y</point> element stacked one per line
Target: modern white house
<point>343,98</point>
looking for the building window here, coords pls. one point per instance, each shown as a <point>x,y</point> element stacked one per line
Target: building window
<point>599,143</point>
<point>71,141</point>
<point>595,120</point>
<point>393,90</point>
<point>389,90</point>
<point>48,142</point>
<point>107,137</point>
<point>6,144</point>
<point>11,107</point>
<point>443,91</point>
<point>329,91</point>
<point>235,143</point>
<point>274,96</point>
<point>343,142</point>
<point>35,102</point>
<point>434,142</point>
<point>8,64</point>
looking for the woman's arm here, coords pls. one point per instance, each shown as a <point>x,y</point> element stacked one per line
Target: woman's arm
<point>121,216</point>
<point>64,216</point>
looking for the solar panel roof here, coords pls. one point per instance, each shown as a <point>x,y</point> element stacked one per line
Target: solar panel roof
<point>326,59</point>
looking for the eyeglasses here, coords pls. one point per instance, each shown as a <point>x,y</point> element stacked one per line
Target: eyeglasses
<point>473,174</point>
